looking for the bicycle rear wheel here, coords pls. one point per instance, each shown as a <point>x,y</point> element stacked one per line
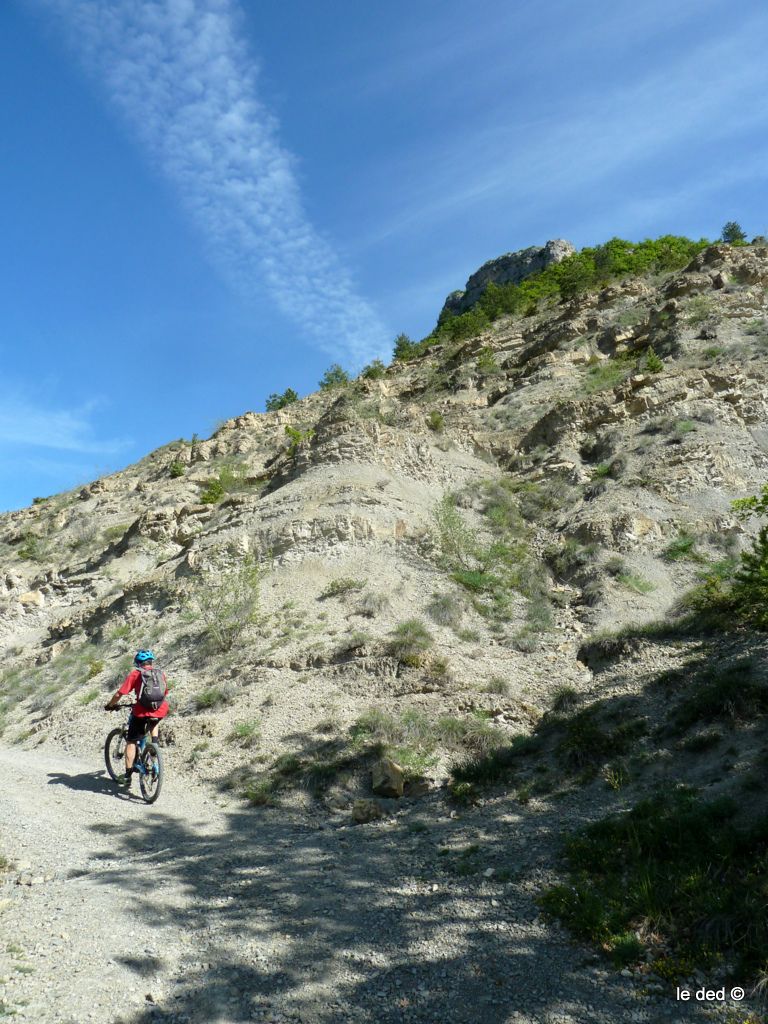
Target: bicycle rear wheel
<point>114,753</point>
<point>151,782</point>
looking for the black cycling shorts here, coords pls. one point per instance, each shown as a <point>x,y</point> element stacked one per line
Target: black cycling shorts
<point>137,727</point>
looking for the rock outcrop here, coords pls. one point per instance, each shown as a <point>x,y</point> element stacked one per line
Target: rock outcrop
<point>512,267</point>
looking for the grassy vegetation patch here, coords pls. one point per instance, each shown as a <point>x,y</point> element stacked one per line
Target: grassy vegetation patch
<point>589,739</point>
<point>212,697</point>
<point>409,643</point>
<point>496,562</point>
<point>683,547</point>
<point>609,373</point>
<point>677,869</point>
<point>636,583</point>
<point>731,693</point>
<point>414,740</point>
<point>246,734</point>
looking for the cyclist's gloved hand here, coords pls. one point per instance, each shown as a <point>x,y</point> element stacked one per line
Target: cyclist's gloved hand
<point>108,707</point>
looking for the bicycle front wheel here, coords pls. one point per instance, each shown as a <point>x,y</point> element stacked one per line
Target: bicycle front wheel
<point>114,753</point>
<point>151,782</point>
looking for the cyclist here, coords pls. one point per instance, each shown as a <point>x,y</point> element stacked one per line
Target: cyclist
<point>144,715</point>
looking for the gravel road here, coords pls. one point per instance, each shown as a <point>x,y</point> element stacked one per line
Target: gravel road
<point>199,910</point>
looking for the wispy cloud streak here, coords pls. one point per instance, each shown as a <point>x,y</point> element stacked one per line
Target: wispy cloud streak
<point>183,79</point>
<point>620,136</point>
<point>23,423</point>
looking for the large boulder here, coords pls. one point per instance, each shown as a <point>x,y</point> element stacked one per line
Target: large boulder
<point>387,778</point>
<point>512,267</point>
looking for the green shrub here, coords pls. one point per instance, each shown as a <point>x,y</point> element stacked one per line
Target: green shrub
<point>412,738</point>
<point>587,740</point>
<point>683,546</point>
<point>410,642</point>
<point>342,585</point>
<point>497,685</point>
<point>372,604</point>
<point>334,377</point>
<point>486,361</point>
<point>701,741</point>
<point>374,371</point>
<point>212,493</point>
<point>637,584</point>
<point>32,548</point>
<point>565,698</point>
<point>436,421</point>
<point>89,696</point>
<point>176,469</point>
<point>211,697</point>
<point>446,610</point>
<point>698,310</point>
<point>588,269</point>
<point>296,439</point>
<point>492,767</point>
<point>116,532</point>
<point>247,734</point>
<point>615,566</point>
<point>458,543</point>
<point>275,401</point>
<point>749,592</point>
<point>227,603</point>
<point>607,374</point>
<point>683,427</point>
<point>652,363</point>
<point>95,667</point>
<point>259,792</point>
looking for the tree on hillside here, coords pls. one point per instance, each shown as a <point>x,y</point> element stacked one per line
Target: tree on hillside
<point>334,377</point>
<point>275,402</point>
<point>732,232</point>
<point>404,348</point>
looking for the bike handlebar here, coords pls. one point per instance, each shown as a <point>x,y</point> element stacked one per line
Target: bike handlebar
<point>117,707</point>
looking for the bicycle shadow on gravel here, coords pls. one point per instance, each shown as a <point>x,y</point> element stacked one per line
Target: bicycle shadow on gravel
<point>90,782</point>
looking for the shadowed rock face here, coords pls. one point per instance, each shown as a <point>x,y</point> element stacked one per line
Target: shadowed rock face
<point>511,267</point>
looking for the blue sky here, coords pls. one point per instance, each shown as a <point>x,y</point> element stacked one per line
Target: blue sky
<point>205,201</point>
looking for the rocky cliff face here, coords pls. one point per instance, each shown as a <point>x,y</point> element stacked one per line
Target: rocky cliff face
<point>512,267</point>
<point>510,495</point>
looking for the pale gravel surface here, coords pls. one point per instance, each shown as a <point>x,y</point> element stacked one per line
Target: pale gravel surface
<point>222,913</point>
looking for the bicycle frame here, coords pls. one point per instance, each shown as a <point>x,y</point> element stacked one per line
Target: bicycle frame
<point>141,743</point>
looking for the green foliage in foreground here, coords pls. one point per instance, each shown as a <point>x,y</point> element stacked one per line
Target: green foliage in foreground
<point>677,867</point>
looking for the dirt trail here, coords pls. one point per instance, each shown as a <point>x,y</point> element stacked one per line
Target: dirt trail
<point>198,910</point>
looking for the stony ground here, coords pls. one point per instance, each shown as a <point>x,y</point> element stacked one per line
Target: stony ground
<point>198,909</point>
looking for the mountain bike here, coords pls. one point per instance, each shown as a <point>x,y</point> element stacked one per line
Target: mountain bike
<point>148,763</point>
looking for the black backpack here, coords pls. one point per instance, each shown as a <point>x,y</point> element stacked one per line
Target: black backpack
<point>152,690</point>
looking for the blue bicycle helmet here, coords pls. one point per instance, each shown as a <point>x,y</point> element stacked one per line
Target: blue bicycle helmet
<point>142,657</point>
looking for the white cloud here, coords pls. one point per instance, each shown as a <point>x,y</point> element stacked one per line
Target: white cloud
<point>24,423</point>
<point>181,76</point>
